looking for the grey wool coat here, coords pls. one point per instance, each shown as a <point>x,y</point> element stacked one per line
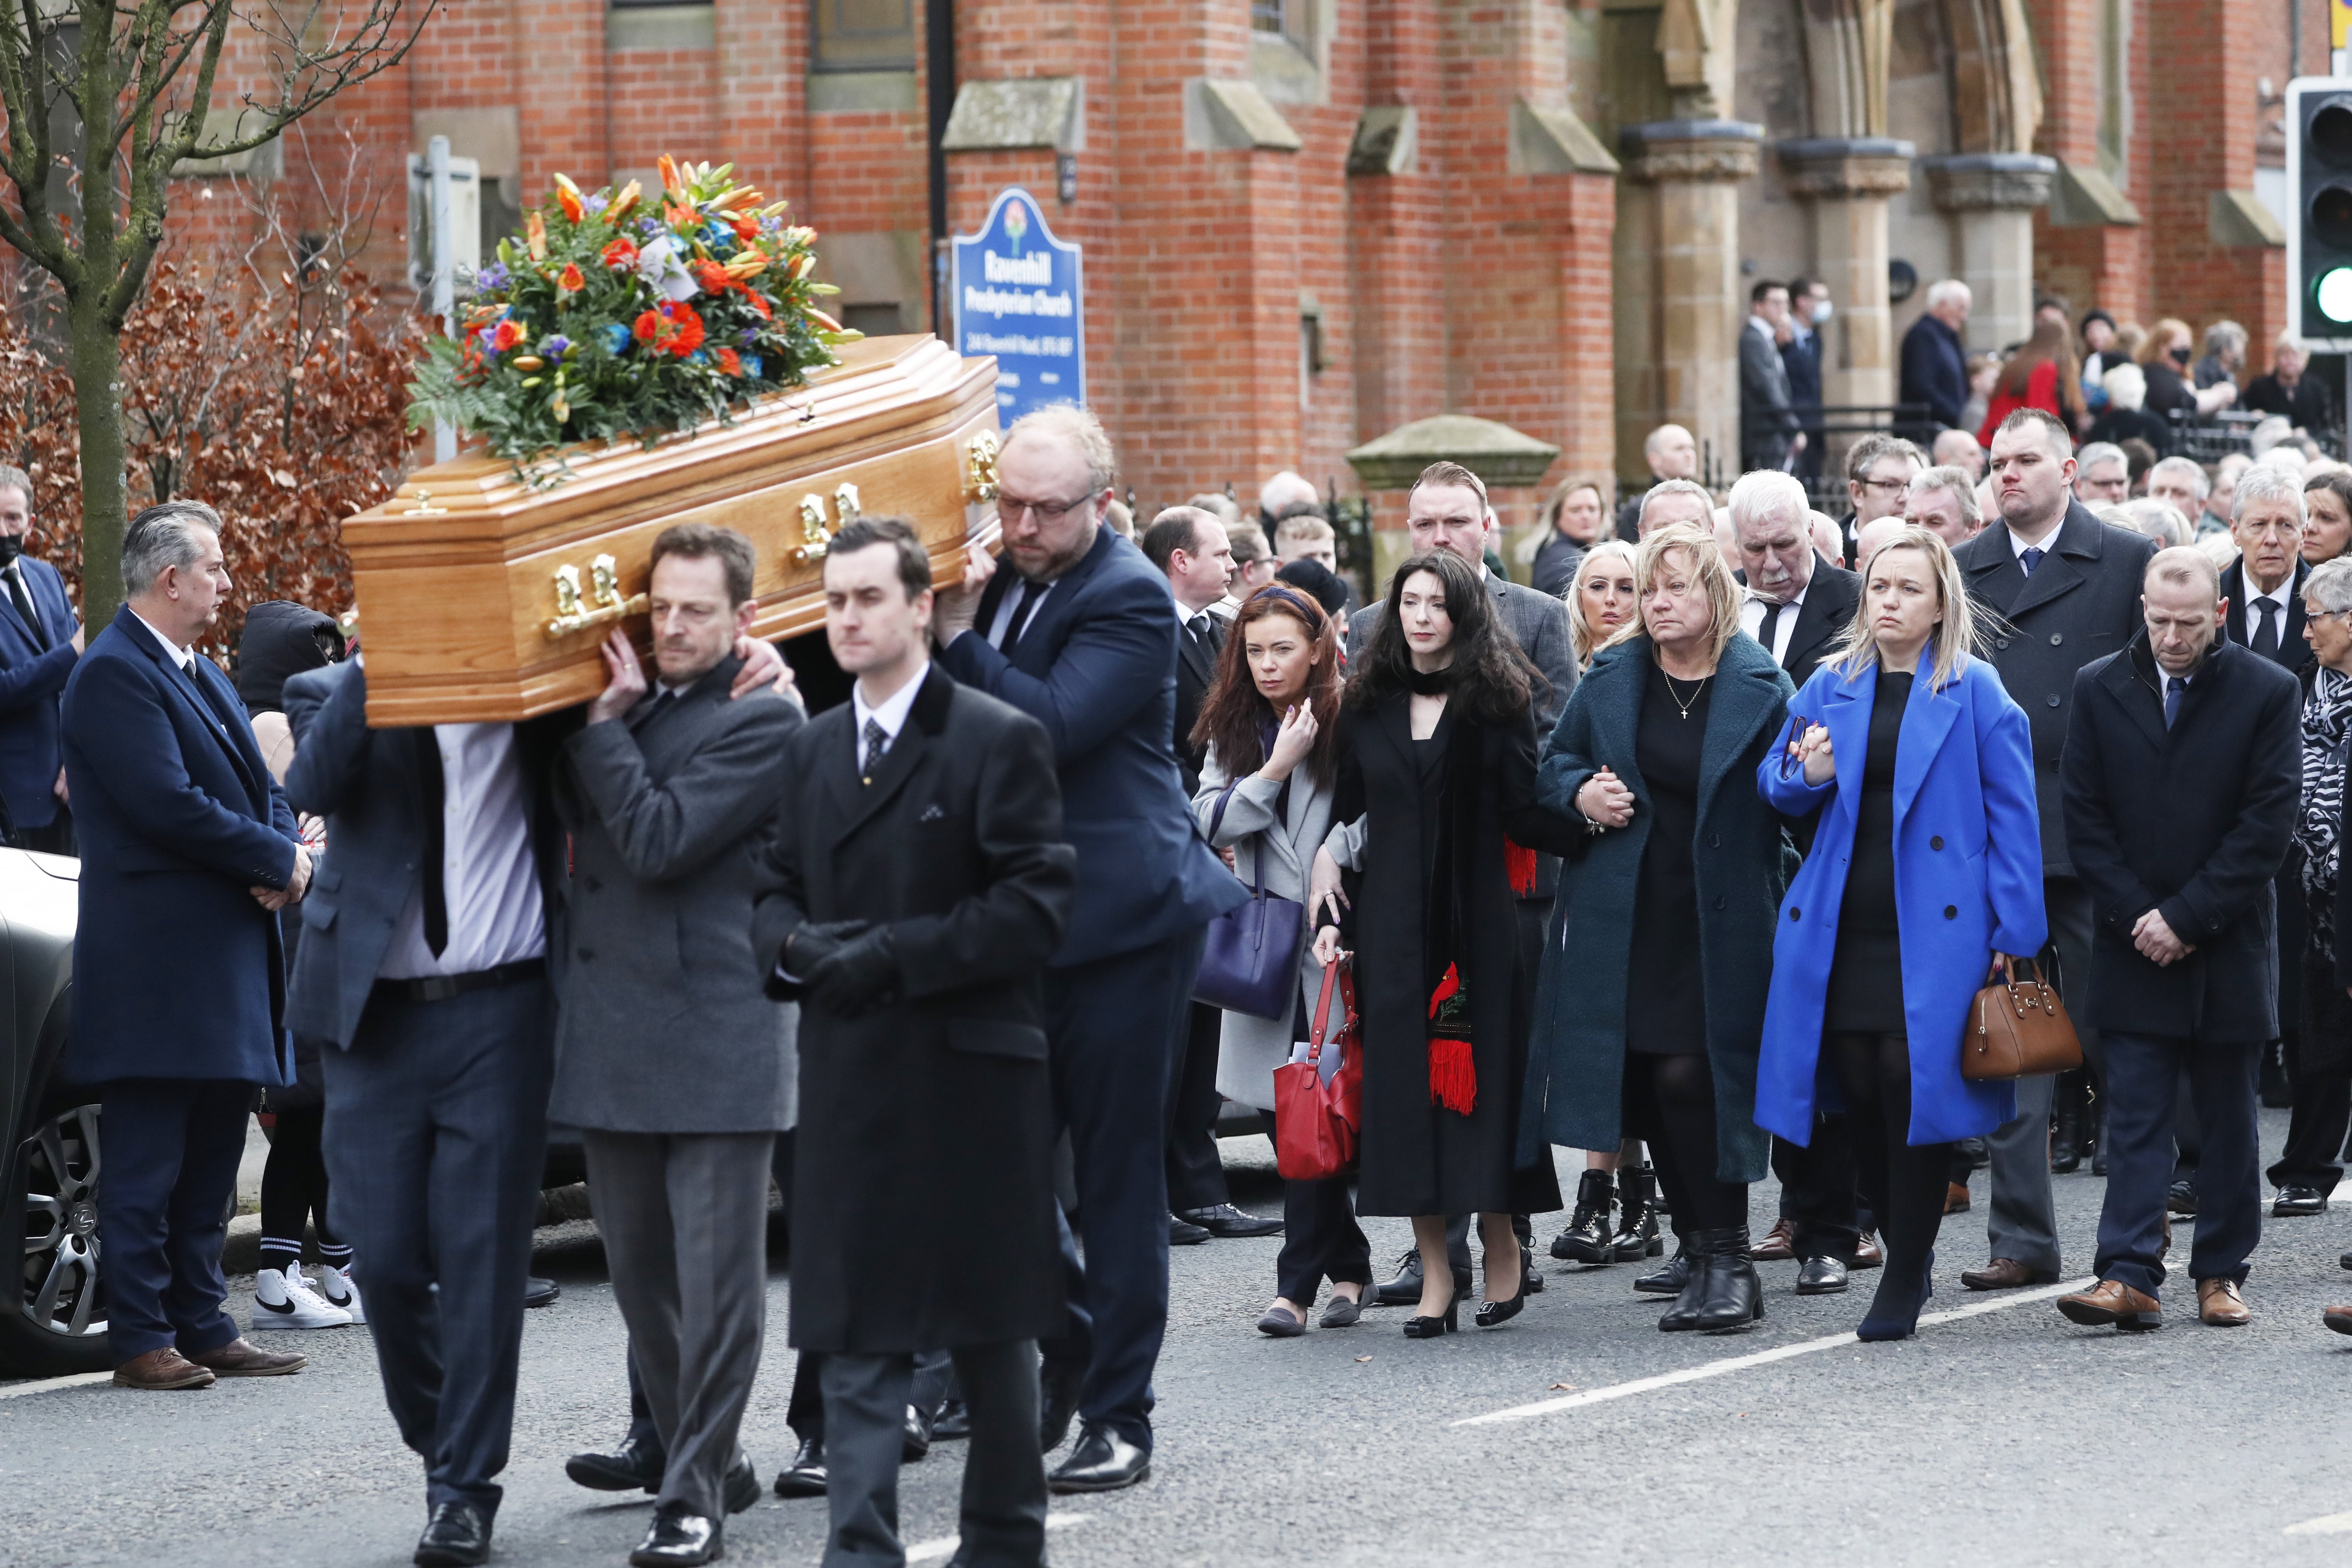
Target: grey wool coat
<point>1745,859</point>
<point>664,1023</point>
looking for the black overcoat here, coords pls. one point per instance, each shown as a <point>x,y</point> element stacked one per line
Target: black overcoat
<point>2081,605</point>
<point>2192,821</point>
<point>922,1178</point>
<point>1419,1158</point>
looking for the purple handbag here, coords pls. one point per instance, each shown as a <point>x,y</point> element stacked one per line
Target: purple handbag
<point>1250,963</point>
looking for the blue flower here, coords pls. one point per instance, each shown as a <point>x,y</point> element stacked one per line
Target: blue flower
<point>748,336</point>
<point>599,202</point>
<point>752,366</point>
<point>698,357</point>
<point>616,339</point>
<point>556,347</point>
<point>493,277</point>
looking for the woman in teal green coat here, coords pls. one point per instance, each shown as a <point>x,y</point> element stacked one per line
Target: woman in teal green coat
<point>1658,955</point>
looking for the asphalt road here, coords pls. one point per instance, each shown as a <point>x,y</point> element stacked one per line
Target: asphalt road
<point>2005,1436</point>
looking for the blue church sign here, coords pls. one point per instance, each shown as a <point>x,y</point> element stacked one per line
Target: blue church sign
<point>1018,296</point>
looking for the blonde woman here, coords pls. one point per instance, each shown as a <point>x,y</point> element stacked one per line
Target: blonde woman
<point>1659,951</point>
<point>1905,897</point>
<point>1600,601</point>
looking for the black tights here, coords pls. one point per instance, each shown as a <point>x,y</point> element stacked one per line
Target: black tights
<point>1670,1100</point>
<point>1903,1183</point>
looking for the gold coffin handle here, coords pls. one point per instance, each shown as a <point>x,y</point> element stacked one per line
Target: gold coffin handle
<point>604,577</point>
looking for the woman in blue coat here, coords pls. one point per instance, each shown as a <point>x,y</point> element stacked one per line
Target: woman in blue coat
<point>1926,862</point>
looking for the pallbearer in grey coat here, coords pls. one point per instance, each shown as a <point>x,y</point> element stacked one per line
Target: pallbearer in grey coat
<point>910,899</point>
<point>670,1056</point>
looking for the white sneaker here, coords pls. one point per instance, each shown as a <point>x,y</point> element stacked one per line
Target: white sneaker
<point>286,1301</point>
<point>337,1287</point>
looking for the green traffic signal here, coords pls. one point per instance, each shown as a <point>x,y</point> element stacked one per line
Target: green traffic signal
<point>2334,294</point>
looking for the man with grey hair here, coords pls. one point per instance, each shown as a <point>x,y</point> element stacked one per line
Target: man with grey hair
<point>1280,494</point>
<point>1672,453</point>
<point>39,641</point>
<point>1670,501</point>
<point>2101,473</point>
<point>188,851</point>
<point>1943,499</point>
<point>2159,520</point>
<point>2219,499</point>
<point>2181,483</point>
<point>1959,449</point>
<point>1934,370</point>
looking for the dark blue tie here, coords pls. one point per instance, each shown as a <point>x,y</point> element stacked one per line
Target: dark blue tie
<point>2029,557</point>
<point>2174,685</point>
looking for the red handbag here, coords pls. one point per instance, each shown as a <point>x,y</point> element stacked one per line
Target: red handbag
<point>1316,1122</point>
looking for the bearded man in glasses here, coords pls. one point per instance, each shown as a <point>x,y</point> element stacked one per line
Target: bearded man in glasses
<point>1071,627</point>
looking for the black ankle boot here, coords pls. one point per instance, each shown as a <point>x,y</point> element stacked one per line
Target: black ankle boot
<point>1683,1313</point>
<point>1676,1274</point>
<point>1730,1296</point>
<point>1637,1226</point>
<point>1586,1239</point>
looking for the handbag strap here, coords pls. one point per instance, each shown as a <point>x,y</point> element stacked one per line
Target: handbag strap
<point>1322,1029</point>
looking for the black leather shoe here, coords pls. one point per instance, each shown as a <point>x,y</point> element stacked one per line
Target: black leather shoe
<point>741,1490</point>
<point>1683,1314</point>
<point>2182,1199</point>
<point>634,1466</point>
<point>1732,1297</point>
<point>2296,1201</point>
<point>538,1292</point>
<point>1587,1239</point>
<point>679,1537</point>
<point>1404,1290</point>
<point>954,1420</point>
<point>1102,1462</point>
<point>804,1477</point>
<point>1820,1276</point>
<point>1225,1220</point>
<point>916,1439</point>
<point>1184,1233</point>
<point>457,1535</point>
<point>1670,1279</point>
<point>1057,1407</point>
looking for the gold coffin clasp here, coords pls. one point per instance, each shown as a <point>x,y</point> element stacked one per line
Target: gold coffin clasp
<point>605,585</point>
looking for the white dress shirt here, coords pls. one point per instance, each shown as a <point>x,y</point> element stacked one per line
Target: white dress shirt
<point>2273,603</point>
<point>490,880</point>
<point>1004,608</point>
<point>184,657</point>
<point>2018,545</point>
<point>891,715</point>
<point>1751,619</point>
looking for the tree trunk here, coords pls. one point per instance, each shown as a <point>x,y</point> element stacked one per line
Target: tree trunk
<point>95,357</point>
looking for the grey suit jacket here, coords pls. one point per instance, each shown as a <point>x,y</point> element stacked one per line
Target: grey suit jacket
<point>1539,622</point>
<point>664,1023</point>
<point>1766,419</point>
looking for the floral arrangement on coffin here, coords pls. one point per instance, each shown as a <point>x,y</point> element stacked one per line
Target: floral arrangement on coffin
<point>611,315</point>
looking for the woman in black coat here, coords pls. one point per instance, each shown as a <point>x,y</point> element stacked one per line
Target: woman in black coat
<point>1433,810</point>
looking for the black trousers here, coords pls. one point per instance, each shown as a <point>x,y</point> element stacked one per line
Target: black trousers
<point>932,1375</point>
<point>1320,1238</point>
<point>437,1139</point>
<point>2319,1066</point>
<point>171,1152</point>
<point>1196,1175</point>
<point>1003,1521</point>
<point>1816,1189</point>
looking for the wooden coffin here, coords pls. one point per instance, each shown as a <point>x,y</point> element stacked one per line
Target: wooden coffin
<point>481,598</point>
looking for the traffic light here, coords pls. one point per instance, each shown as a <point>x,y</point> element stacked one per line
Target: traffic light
<point>2319,183</point>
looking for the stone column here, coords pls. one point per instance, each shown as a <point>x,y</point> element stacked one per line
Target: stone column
<point>1691,340</point>
<point>1848,181</point>
<point>1991,197</point>
<point>1511,463</point>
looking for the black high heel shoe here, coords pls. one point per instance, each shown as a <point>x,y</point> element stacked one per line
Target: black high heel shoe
<point>1431,1328</point>
<point>1493,1314</point>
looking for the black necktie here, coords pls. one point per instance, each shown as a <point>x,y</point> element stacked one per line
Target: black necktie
<point>1770,631</point>
<point>1030,592</point>
<point>24,606</point>
<point>877,741</point>
<point>430,789</point>
<point>2265,637</point>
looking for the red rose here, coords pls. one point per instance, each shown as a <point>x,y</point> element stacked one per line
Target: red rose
<point>649,327</point>
<point>712,277</point>
<point>620,253</point>
<point>569,280</point>
<point>683,332</point>
<point>507,333</point>
<point>730,361</point>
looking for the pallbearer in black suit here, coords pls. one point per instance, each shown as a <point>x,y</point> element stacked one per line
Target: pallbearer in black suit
<point>40,642</point>
<point>1797,605</point>
<point>1191,547</point>
<point>909,903</point>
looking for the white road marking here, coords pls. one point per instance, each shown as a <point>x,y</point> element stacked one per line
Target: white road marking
<point>10,1391</point>
<point>934,1551</point>
<point>2329,1524</point>
<point>2000,1303</point>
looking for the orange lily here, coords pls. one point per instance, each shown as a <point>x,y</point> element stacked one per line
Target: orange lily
<point>534,231</point>
<point>670,182</point>
<point>568,196</point>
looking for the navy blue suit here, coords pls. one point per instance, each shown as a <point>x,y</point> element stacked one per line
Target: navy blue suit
<point>33,672</point>
<point>1096,666</point>
<point>1802,357</point>
<point>1935,372</point>
<point>179,975</point>
<point>437,1108</point>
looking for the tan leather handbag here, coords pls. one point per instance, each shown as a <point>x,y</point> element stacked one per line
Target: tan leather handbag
<point>2018,1027</point>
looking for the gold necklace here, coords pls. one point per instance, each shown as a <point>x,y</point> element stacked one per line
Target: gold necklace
<point>1677,696</point>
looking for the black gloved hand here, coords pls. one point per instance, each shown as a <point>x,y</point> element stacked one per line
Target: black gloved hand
<point>858,975</point>
<point>812,943</point>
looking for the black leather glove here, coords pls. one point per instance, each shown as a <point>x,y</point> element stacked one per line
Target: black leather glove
<point>812,943</point>
<point>859,974</point>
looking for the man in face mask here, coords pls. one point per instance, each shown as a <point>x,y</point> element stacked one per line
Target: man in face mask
<point>39,641</point>
<point>1800,352</point>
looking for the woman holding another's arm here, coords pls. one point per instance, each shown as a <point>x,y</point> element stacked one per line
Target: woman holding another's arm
<point>1927,865</point>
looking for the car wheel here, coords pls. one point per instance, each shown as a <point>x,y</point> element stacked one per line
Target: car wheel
<point>56,1321</point>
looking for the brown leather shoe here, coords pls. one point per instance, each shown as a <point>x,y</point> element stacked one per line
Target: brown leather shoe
<point>2219,1306</point>
<point>238,1359</point>
<point>2338,1317</point>
<point>1780,1243</point>
<point>1956,1197</point>
<point>2111,1302</point>
<point>159,1370</point>
<point>2006,1274</point>
<point>1867,1254</point>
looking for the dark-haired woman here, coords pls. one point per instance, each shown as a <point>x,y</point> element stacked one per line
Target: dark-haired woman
<point>2040,374</point>
<point>1660,951</point>
<point>1434,809</point>
<point>1270,724</point>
